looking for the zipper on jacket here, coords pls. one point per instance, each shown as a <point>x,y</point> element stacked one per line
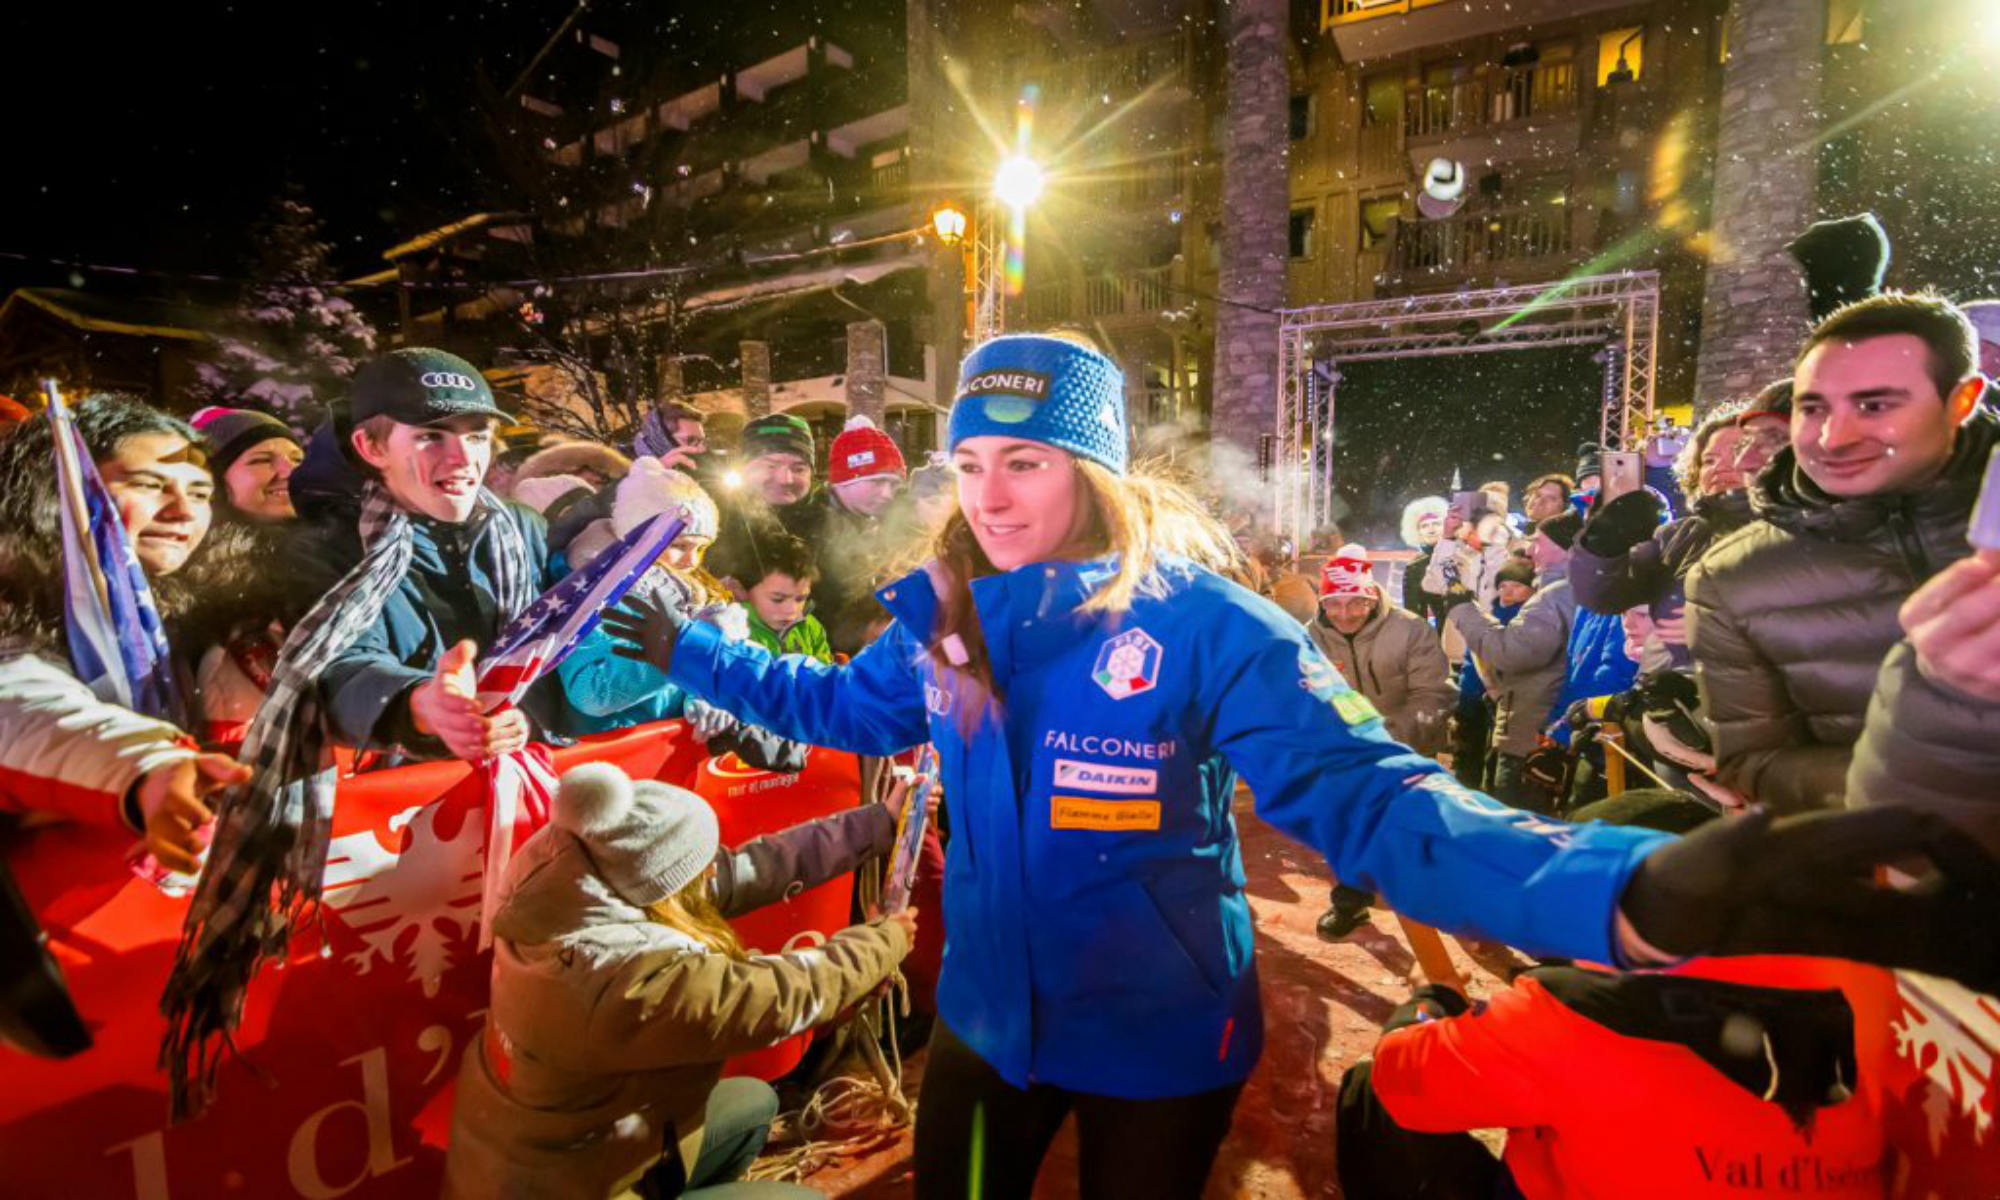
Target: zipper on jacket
<point>1910,546</point>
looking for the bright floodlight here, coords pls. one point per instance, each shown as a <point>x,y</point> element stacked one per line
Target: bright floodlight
<point>1018,182</point>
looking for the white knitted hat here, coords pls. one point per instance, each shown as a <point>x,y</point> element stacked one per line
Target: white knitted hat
<point>651,488</point>
<point>648,839</point>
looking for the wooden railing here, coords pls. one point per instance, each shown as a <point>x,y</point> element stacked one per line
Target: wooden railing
<point>1494,97</point>
<point>1130,293</point>
<point>1470,242</point>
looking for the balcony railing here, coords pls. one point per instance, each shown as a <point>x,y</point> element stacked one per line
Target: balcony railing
<point>1340,12</point>
<point>1128,293</point>
<point>888,177</point>
<point>1473,242</point>
<point>1119,71</point>
<point>1494,97</point>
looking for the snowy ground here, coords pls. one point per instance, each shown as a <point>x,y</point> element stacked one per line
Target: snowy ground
<point>1322,1007</point>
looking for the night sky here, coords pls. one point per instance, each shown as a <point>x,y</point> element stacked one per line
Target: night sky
<point>155,136</point>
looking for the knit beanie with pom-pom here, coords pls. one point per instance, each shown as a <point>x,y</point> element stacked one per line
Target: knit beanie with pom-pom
<point>861,451</point>
<point>648,839</point>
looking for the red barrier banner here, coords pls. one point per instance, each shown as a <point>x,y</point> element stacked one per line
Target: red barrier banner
<point>349,1050</point>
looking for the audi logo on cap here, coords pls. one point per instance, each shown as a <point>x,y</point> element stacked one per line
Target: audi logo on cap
<point>450,379</point>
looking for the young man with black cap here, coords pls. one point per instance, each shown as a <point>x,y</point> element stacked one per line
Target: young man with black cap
<point>446,563</point>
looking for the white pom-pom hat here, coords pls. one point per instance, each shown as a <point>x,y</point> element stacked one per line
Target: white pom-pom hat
<point>651,488</point>
<point>648,839</point>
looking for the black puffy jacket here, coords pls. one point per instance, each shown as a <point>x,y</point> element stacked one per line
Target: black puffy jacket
<point>1792,616</point>
<point>1650,572</point>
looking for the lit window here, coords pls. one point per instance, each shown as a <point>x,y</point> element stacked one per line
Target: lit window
<point>1301,233</point>
<point>1378,220</point>
<point>1619,55</point>
<point>1843,22</point>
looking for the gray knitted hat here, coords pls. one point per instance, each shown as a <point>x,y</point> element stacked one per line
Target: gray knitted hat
<point>648,839</point>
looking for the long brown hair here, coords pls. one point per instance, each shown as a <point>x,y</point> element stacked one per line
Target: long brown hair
<point>1142,518</point>
<point>692,911</point>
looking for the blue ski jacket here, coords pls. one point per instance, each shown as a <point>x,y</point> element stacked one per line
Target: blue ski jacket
<point>1097,934</point>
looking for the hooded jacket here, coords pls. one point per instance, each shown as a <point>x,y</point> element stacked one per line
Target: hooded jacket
<point>607,1030</point>
<point>1649,572</point>
<point>1397,661</point>
<point>447,595</point>
<point>1098,936</point>
<point>1740,1077</point>
<point>1792,617</point>
<point>1524,663</point>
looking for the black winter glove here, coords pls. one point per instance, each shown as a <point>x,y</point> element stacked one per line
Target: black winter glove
<point>1431,1002</point>
<point>645,625</point>
<point>1621,523</point>
<point>1806,885</point>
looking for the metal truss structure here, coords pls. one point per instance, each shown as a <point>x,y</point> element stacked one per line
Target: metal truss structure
<point>1620,313</point>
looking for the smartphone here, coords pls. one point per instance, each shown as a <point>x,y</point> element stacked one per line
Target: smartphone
<point>1623,472</point>
<point>1467,505</point>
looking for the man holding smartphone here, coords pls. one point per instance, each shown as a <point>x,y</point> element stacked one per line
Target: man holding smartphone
<point>1791,617</point>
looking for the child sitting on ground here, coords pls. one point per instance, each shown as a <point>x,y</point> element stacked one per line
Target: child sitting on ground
<point>619,990</point>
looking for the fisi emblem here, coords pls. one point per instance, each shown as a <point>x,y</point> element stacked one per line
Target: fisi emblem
<point>1127,664</point>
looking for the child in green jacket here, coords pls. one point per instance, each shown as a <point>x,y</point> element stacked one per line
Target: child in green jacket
<point>779,597</point>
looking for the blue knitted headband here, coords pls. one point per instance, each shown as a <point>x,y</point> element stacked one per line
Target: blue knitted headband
<point>1043,389</point>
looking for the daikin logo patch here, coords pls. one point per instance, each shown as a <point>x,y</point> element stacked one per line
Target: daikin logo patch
<point>1105,778</point>
<point>1128,665</point>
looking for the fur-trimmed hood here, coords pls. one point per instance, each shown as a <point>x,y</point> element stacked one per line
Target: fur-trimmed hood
<point>569,458</point>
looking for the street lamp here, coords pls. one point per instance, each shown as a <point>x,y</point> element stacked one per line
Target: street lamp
<point>949,223</point>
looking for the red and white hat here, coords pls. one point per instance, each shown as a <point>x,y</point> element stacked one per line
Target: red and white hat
<point>862,451</point>
<point>1347,573</point>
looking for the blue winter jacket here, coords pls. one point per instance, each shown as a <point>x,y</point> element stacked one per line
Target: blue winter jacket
<point>1598,665</point>
<point>608,691</point>
<point>1098,938</point>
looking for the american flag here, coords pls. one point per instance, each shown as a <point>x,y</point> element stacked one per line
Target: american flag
<point>117,643</point>
<point>523,783</point>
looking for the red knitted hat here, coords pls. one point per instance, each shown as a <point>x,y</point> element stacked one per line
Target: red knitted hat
<point>1347,573</point>
<point>862,451</point>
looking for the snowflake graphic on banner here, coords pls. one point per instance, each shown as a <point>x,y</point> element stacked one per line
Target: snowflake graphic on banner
<point>1953,1036</point>
<point>423,899</point>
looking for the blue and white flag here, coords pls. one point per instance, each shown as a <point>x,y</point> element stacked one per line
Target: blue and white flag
<point>117,643</point>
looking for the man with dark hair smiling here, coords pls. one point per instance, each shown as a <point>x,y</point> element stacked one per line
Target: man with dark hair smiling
<point>1792,616</point>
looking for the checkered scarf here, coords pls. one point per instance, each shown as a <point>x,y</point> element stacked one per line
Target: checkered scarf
<point>268,857</point>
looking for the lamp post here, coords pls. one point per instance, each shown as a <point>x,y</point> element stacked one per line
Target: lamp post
<point>992,268</point>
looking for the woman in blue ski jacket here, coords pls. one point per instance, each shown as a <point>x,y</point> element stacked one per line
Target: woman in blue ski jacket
<point>1093,690</point>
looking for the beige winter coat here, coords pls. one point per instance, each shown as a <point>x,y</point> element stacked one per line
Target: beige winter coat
<point>614,1028</point>
<point>1397,661</point>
